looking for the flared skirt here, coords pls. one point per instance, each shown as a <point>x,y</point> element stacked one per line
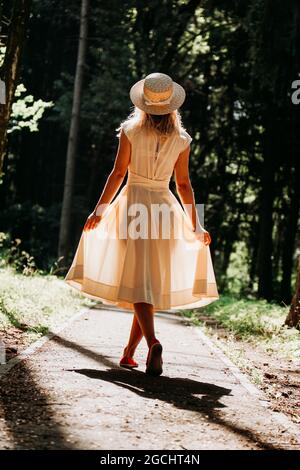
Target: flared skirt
<point>144,250</point>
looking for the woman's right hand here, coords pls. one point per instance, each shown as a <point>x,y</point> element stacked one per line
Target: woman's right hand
<point>92,221</point>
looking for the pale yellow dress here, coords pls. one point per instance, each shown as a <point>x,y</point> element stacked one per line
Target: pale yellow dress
<point>169,271</point>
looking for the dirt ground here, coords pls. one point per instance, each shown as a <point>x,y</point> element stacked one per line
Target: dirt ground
<point>279,377</point>
<point>281,381</point>
<point>72,394</point>
<point>15,341</point>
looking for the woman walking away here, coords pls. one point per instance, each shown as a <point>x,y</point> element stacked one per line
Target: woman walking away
<point>144,251</point>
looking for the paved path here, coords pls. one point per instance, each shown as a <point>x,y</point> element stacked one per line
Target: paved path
<point>72,394</point>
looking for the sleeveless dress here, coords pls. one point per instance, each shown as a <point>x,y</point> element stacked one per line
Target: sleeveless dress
<point>119,263</point>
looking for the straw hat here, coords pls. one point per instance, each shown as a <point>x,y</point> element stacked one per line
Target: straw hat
<point>157,93</point>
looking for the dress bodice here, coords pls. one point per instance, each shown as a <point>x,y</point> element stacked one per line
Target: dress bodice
<point>152,156</point>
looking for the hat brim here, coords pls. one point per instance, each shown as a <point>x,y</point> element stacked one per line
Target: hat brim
<point>137,98</point>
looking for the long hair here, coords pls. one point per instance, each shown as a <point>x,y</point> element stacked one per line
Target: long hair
<point>165,124</point>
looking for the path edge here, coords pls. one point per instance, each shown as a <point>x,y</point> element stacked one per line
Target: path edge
<point>33,347</point>
<point>244,380</point>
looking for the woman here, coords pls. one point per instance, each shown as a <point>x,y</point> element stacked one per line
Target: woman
<point>144,264</point>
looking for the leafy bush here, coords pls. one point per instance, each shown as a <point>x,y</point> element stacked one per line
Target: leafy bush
<point>12,253</point>
<point>30,235</point>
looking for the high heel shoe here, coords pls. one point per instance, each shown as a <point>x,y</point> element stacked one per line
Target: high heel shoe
<point>154,360</point>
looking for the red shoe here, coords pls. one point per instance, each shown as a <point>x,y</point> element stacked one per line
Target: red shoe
<point>154,360</point>
<point>128,362</point>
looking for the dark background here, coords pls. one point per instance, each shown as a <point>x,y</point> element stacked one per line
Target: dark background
<point>237,61</point>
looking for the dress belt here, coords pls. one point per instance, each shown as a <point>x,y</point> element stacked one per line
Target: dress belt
<point>134,178</point>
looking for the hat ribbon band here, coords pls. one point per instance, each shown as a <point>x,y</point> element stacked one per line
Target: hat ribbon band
<point>157,103</point>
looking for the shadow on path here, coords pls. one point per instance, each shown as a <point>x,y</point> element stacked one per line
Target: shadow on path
<point>178,391</point>
<point>31,423</point>
<point>26,409</point>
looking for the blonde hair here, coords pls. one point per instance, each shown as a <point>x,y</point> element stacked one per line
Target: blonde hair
<point>165,124</point>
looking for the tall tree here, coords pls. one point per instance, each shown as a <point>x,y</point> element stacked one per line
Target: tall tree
<point>274,40</point>
<point>10,69</point>
<point>289,235</point>
<point>65,220</point>
<point>293,318</point>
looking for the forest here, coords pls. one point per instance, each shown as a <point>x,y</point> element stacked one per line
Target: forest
<point>230,374</point>
<point>237,61</point>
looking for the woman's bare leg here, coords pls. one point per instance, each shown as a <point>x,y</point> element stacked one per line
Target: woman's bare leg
<point>134,337</point>
<point>145,315</point>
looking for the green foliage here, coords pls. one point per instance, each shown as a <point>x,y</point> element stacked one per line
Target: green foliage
<point>36,304</point>
<point>11,253</point>
<point>10,314</point>
<point>26,112</point>
<point>38,227</point>
<point>256,321</point>
<point>237,274</point>
<point>248,317</point>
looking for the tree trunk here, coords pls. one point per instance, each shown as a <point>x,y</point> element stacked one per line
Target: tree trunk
<point>265,244</point>
<point>10,68</point>
<point>289,237</point>
<point>293,318</point>
<point>252,251</point>
<point>65,220</point>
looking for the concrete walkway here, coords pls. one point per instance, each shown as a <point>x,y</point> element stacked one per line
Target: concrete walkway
<point>71,394</point>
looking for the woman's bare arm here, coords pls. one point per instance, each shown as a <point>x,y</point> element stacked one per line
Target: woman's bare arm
<point>113,182</point>
<point>185,190</point>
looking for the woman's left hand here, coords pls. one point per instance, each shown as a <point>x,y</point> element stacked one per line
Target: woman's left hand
<point>203,235</point>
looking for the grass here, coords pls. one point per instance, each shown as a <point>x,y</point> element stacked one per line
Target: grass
<point>36,303</point>
<point>256,321</point>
